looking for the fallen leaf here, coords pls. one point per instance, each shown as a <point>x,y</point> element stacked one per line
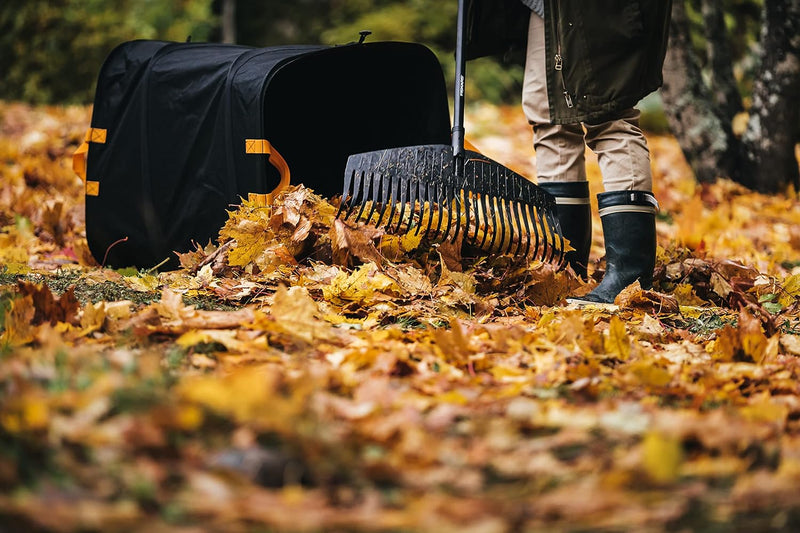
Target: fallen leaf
<point>617,343</point>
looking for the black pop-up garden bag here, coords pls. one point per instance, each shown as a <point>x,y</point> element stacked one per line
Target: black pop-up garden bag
<point>180,132</point>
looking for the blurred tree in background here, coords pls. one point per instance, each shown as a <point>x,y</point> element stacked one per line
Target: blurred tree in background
<point>52,50</point>
<point>731,87</point>
<point>339,21</point>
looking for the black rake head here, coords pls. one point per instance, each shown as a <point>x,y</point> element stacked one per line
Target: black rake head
<point>425,189</point>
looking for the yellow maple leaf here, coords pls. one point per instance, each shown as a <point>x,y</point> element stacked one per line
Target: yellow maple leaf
<point>251,240</point>
<point>617,342</point>
<point>298,314</point>
<point>365,285</point>
<point>791,291</point>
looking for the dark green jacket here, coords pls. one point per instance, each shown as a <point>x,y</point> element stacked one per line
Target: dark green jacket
<point>611,51</point>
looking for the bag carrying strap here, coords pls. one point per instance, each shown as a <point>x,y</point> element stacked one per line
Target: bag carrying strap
<point>252,146</point>
<point>93,135</point>
<point>263,146</point>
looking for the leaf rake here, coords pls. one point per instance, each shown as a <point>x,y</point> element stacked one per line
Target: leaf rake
<point>450,192</point>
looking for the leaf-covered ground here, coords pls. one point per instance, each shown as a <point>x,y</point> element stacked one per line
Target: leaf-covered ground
<point>309,374</point>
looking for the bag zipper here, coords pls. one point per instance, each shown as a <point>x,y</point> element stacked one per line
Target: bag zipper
<point>559,59</point>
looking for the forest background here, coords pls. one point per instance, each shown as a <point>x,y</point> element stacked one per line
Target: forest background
<point>51,51</point>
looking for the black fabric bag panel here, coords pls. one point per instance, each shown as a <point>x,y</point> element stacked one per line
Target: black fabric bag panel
<point>177,116</point>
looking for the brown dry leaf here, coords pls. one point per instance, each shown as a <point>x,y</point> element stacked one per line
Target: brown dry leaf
<point>633,297</point>
<point>453,343</point>
<point>176,317</point>
<point>48,308</point>
<point>754,343</point>
<point>548,286</point>
<point>359,242</point>
<point>18,324</point>
<point>727,345</point>
<point>720,285</point>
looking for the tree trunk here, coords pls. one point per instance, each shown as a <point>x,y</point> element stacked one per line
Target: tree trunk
<point>229,21</point>
<point>764,158</point>
<point>706,140</point>
<point>723,83</point>
<point>772,130</point>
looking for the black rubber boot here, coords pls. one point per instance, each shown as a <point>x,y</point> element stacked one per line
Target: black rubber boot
<point>575,217</point>
<point>629,230</point>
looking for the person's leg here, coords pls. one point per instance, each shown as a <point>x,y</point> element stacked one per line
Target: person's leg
<point>560,150</point>
<point>622,152</point>
<point>627,208</point>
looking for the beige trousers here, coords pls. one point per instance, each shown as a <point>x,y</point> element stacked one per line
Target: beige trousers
<point>620,145</point>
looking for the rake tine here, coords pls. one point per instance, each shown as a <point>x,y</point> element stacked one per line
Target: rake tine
<point>558,238</point>
<point>515,205</point>
<point>486,198</point>
<point>394,193</point>
<point>481,219</point>
<point>467,208</point>
<point>413,193</point>
<point>470,199</point>
<point>442,195</point>
<point>346,192</point>
<point>555,238</point>
<point>423,199</point>
<point>509,207</point>
<point>364,186</point>
<point>523,211</point>
<point>524,197</point>
<point>403,201</point>
<point>353,203</point>
<point>384,192</point>
<point>518,209</point>
<point>497,213</point>
<point>375,186</point>
<point>494,222</point>
<point>505,223</point>
<point>541,247</point>
<point>465,195</point>
<point>449,199</point>
<point>475,198</point>
<point>546,247</point>
<point>516,217</point>
<point>456,198</point>
<point>530,222</point>
<point>430,192</point>
<point>441,198</point>
<point>471,202</point>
